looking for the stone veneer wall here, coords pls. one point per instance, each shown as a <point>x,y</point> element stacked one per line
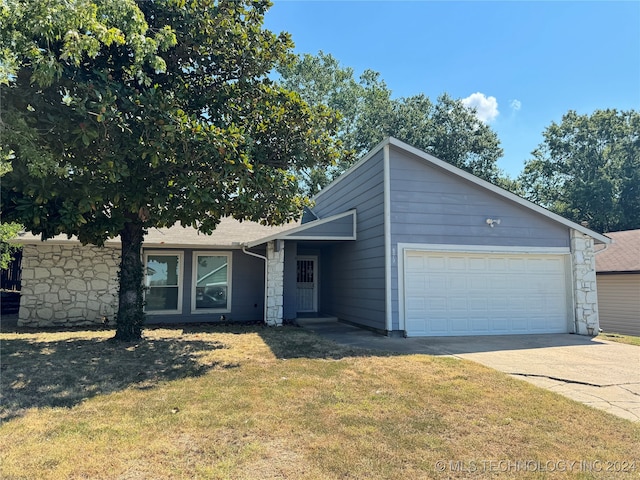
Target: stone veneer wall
<point>584,284</point>
<point>68,285</point>
<point>275,284</point>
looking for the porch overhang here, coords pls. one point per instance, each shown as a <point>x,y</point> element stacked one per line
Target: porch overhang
<point>336,227</point>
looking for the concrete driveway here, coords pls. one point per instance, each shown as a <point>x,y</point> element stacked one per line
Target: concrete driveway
<point>599,373</point>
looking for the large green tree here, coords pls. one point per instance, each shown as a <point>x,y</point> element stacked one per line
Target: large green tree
<point>446,129</point>
<point>121,115</point>
<point>588,169</point>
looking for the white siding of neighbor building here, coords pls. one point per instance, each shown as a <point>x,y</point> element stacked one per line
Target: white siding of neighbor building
<point>619,303</point>
<point>352,273</point>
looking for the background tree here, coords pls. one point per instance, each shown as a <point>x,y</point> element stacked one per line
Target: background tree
<point>446,129</point>
<point>125,115</point>
<point>8,231</point>
<point>588,169</point>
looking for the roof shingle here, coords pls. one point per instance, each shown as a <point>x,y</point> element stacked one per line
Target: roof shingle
<point>622,255</point>
<point>229,232</point>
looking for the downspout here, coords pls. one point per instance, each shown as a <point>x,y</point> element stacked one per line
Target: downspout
<point>244,250</point>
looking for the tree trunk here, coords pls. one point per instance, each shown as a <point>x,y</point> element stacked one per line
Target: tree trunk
<point>130,293</point>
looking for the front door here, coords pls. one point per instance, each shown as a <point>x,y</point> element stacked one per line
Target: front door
<point>307,284</point>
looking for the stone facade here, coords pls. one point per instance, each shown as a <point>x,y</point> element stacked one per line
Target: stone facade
<point>584,284</point>
<point>68,285</point>
<point>275,284</point>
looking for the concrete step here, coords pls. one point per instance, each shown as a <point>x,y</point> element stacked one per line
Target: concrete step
<point>311,320</point>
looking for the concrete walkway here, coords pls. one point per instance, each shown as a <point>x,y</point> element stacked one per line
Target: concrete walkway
<point>599,373</point>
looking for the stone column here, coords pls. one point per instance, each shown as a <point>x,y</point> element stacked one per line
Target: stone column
<point>585,292</point>
<point>275,283</point>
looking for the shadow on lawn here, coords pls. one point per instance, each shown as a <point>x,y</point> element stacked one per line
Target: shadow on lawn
<point>297,342</point>
<point>64,373</point>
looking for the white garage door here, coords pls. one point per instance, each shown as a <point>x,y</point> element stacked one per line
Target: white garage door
<point>448,294</point>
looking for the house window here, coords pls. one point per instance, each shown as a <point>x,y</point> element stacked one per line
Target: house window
<point>163,282</point>
<point>211,282</point>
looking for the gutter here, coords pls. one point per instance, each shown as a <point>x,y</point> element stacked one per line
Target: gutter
<point>257,255</point>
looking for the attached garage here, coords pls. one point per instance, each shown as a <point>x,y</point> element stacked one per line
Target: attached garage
<point>484,293</point>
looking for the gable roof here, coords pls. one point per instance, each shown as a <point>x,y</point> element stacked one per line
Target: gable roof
<point>623,255</point>
<point>436,162</point>
<point>229,233</point>
<point>341,227</point>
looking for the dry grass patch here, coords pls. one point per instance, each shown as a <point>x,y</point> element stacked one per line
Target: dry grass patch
<point>250,402</point>
<point>620,338</point>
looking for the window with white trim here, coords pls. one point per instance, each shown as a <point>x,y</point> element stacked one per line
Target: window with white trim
<point>211,288</point>
<point>163,282</point>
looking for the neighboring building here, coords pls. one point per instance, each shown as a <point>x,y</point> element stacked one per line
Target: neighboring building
<point>401,243</point>
<point>618,276</point>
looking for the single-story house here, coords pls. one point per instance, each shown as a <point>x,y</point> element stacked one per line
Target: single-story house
<point>618,279</point>
<point>402,243</point>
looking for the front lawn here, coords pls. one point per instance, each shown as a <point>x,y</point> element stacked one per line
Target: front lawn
<point>260,403</point>
<point>620,338</point>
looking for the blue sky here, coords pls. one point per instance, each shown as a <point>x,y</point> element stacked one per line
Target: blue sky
<point>527,62</point>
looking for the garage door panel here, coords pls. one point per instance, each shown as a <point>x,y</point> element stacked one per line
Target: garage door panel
<point>437,264</point>
<point>480,325</point>
<point>498,264</point>
<point>516,265</point>
<point>439,325</point>
<point>459,325</point>
<point>457,264</point>
<point>499,324</point>
<point>478,305</point>
<point>498,282</point>
<point>477,293</point>
<point>416,304</point>
<point>436,281</point>
<point>477,264</point>
<point>457,304</point>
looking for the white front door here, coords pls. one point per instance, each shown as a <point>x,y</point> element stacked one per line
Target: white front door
<point>307,284</point>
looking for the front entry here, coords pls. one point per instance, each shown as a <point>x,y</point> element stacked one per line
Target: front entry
<point>307,284</point>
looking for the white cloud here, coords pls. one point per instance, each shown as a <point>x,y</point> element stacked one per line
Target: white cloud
<point>515,105</point>
<point>486,107</point>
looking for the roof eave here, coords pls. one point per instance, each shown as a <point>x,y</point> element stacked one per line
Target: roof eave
<point>294,233</point>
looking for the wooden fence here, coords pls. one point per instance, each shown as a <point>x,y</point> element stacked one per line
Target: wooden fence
<point>11,278</point>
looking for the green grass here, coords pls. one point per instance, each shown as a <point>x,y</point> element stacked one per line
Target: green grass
<point>259,403</point>
<point>620,338</point>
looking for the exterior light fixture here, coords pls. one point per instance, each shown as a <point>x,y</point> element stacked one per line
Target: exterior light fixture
<point>492,222</point>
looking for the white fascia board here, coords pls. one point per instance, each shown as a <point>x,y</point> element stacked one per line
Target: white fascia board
<point>292,234</point>
<point>117,244</point>
<point>303,237</point>
<point>497,190</point>
<point>189,246</point>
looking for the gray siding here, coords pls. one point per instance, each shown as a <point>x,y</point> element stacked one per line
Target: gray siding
<point>341,227</point>
<point>432,206</point>
<point>307,216</point>
<point>619,303</point>
<point>289,307</point>
<point>352,273</point>
<point>247,291</point>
